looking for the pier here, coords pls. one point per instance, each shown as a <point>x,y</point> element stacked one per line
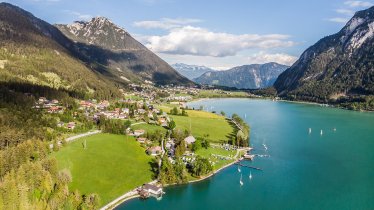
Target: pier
<point>252,167</point>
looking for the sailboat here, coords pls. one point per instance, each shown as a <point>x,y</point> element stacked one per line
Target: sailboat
<point>321,132</point>
<point>250,175</point>
<point>239,169</point>
<point>310,130</point>
<point>334,129</point>
<point>241,181</point>
<point>266,148</point>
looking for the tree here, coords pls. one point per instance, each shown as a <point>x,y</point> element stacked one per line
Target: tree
<point>174,111</point>
<point>180,171</point>
<point>201,166</point>
<point>181,149</point>
<point>197,145</point>
<point>167,173</point>
<point>171,125</point>
<point>223,113</point>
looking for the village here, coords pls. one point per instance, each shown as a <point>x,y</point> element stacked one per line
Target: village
<point>154,118</point>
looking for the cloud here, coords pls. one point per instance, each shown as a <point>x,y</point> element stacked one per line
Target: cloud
<point>264,57</point>
<point>189,40</point>
<point>358,3</point>
<point>78,15</point>
<point>339,20</point>
<point>345,11</point>
<point>165,23</point>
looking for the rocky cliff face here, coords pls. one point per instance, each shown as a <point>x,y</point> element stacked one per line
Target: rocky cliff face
<point>339,65</point>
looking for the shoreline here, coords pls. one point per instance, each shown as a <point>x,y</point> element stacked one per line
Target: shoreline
<point>124,198</point>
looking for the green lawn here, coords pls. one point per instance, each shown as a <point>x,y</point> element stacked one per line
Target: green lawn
<point>110,165</point>
<point>149,128</point>
<point>205,123</point>
<point>207,153</point>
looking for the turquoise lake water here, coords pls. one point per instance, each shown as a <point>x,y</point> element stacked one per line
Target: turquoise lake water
<point>304,171</point>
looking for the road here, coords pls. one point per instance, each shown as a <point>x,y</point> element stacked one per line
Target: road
<point>72,138</point>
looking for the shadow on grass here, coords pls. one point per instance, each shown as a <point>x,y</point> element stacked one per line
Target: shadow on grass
<point>154,168</point>
<point>235,130</point>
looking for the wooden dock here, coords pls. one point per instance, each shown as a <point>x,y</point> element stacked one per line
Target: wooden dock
<point>252,167</point>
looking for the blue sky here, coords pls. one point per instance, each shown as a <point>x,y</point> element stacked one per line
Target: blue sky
<point>215,33</point>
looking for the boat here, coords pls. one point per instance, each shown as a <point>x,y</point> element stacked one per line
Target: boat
<point>310,130</point>
<point>241,182</point>
<point>321,132</point>
<point>239,169</point>
<point>250,175</point>
<point>334,129</point>
<point>266,148</point>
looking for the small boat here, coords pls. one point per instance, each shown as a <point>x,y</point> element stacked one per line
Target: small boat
<point>250,175</point>
<point>310,130</point>
<point>334,129</point>
<point>241,182</point>
<point>266,148</point>
<point>239,169</point>
<point>321,132</point>
<point>245,115</point>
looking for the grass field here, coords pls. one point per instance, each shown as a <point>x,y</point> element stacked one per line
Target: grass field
<point>203,123</point>
<point>207,153</point>
<point>149,128</point>
<point>110,165</point>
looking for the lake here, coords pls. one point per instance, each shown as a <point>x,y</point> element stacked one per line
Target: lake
<point>303,171</point>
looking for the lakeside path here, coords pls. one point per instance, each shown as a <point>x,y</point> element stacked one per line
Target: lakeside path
<point>125,197</point>
<point>72,138</point>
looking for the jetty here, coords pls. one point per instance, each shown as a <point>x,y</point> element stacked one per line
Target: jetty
<point>252,167</point>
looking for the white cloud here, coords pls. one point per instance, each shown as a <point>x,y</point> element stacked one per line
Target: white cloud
<point>358,3</point>
<point>165,23</point>
<point>189,40</point>
<point>339,20</point>
<point>345,11</point>
<point>78,15</point>
<point>264,57</point>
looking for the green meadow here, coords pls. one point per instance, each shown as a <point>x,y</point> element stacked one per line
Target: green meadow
<point>110,165</point>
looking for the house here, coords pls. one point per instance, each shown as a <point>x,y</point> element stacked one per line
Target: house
<point>149,189</point>
<point>189,140</point>
<point>142,140</point>
<point>139,132</point>
<point>71,125</point>
<point>126,110</point>
<point>163,121</point>
<point>60,124</point>
<point>154,150</point>
<point>42,99</point>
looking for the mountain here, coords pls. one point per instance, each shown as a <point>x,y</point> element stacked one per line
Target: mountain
<point>244,77</point>
<point>33,52</point>
<point>191,71</point>
<point>103,42</point>
<point>336,67</point>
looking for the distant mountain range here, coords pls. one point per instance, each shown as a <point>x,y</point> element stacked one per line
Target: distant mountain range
<point>92,58</point>
<point>244,77</point>
<point>337,66</point>
<point>191,71</point>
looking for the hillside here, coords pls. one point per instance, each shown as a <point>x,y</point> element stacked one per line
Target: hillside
<point>338,68</point>
<point>244,77</point>
<point>35,52</point>
<point>191,71</point>
<point>109,45</point>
